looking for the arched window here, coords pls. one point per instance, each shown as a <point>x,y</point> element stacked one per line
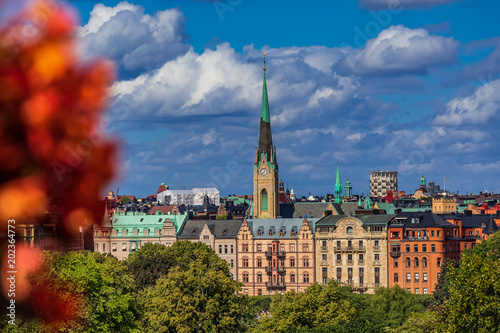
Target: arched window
<point>424,262</point>
<point>245,262</point>
<point>407,262</point>
<point>263,198</point>
<point>349,230</point>
<point>416,262</point>
<point>306,262</point>
<point>245,277</point>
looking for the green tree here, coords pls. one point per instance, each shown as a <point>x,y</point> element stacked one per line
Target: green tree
<point>199,295</point>
<point>441,291</point>
<point>150,263</point>
<point>106,290</point>
<point>474,292</point>
<point>420,322</point>
<point>318,307</point>
<point>124,200</point>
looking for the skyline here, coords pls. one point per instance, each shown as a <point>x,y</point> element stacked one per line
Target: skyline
<point>408,89</point>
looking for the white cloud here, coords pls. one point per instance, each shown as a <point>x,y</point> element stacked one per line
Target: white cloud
<point>478,108</point>
<point>134,39</point>
<point>398,49</point>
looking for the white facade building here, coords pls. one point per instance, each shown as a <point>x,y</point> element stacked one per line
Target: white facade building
<point>189,197</point>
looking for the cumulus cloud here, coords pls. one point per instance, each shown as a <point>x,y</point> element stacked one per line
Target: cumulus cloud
<point>399,50</point>
<point>133,39</point>
<point>478,108</point>
<point>401,4</point>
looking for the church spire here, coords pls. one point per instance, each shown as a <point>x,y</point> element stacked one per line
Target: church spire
<point>338,186</point>
<point>265,137</point>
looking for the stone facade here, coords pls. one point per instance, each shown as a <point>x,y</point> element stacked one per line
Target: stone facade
<point>444,205</point>
<point>352,251</point>
<point>276,255</point>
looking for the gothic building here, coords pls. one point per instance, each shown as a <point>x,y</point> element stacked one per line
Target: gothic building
<point>265,171</point>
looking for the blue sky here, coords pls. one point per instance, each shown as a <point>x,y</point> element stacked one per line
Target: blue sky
<point>400,85</point>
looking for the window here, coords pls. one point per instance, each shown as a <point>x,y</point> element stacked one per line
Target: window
<point>232,263</point>
<point>349,257</point>
<point>361,275</point>
<point>408,262</point>
<point>225,248</point>
<point>263,200</point>
<point>323,243</point>
<point>305,247</point>
<point>259,292</point>
<point>432,233</point>
<point>114,247</point>
<point>245,262</point>
<point>396,277</point>
<point>361,257</point>
<point>425,277</point>
<point>433,247</point>
<point>408,277</point>
<point>377,257</point>
<point>349,274</point>
<point>97,247</point>
<point>232,249</point>
<point>305,262</point>
<point>259,262</point>
<point>417,277</point>
<point>244,247</point>
<point>439,233</point>
<point>417,291</point>
<point>245,277</point>
<point>324,271</point>
<point>425,291</point>
<point>270,232</point>
<point>292,278</point>
<point>259,247</point>
<point>349,230</point>
<point>124,246</point>
<point>360,244</point>
<point>339,257</point>
<point>259,277</point>
<point>424,262</point>
<point>465,245</point>
<point>259,232</point>
<point>306,277</point>
<point>377,245</point>
<point>338,244</point>
<point>339,274</point>
<point>220,248</point>
<point>292,262</point>
<point>349,243</point>
<point>282,247</point>
<point>415,248</point>
<point>439,262</point>
<point>324,257</point>
<point>416,262</point>
<point>292,247</point>
<point>407,248</point>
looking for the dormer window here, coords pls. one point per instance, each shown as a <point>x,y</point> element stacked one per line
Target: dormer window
<point>259,232</point>
<point>159,220</point>
<point>349,230</point>
<point>270,232</point>
<point>142,219</point>
<point>292,233</point>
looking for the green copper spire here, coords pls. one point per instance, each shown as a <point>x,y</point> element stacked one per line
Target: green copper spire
<point>422,181</point>
<point>338,186</point>
<point>360,202</point>
<point>368,201</point>
<point>265,136</point>
<point>264,109</point>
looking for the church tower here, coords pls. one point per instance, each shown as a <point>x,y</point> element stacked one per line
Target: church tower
<point>265,170</point>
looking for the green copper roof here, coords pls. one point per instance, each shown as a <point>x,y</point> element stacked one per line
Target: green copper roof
<point>141,221</point>
<point>264,110</point>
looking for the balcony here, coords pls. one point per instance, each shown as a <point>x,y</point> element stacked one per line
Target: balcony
<point>277,254</point>
<point>395,254</point>
<point>338,262</point>
<point>324,248</point>
<point>350,262</point>
<point>324,263</point>
<point>275,285</point>
<point>279,269</point>
<point>377,248</point>
<point>349,249</point>
<point>361,262</point>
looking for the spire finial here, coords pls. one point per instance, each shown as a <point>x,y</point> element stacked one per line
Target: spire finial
<point>265,61</point>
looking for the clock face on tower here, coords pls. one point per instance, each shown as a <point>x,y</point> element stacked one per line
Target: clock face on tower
<point>263,172</point>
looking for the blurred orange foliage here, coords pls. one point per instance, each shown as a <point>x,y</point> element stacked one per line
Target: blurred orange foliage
<point>52,152</point>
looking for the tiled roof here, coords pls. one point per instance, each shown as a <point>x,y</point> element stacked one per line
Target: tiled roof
<point>366,219</point>
<point>163,209</point>
<point>219,228</point>
<point>349,208</point>
<point>422,220</point>
<point>309,209</point>
<point>276,225</point>
<point>491,226</point>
